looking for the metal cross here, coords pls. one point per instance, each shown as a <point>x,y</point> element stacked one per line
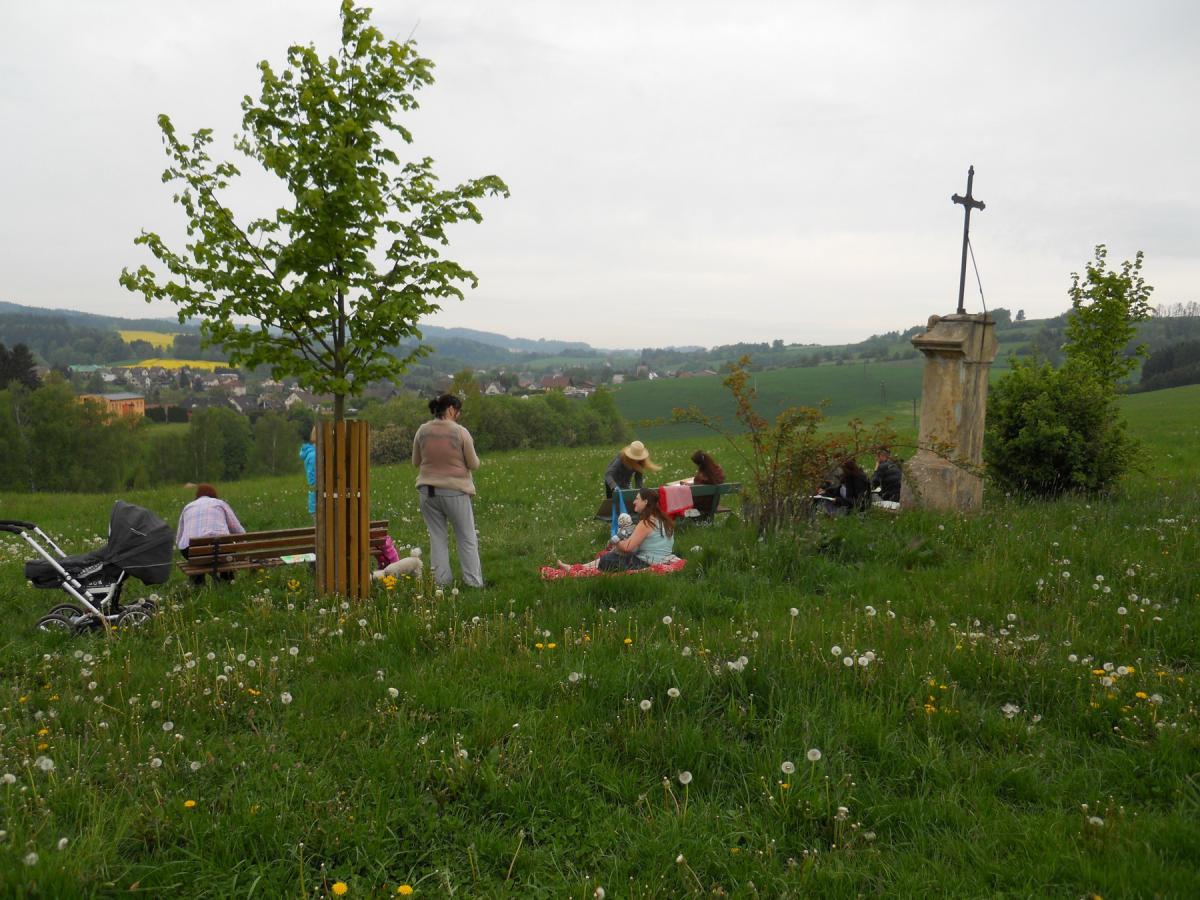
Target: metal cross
<point>968,203</point>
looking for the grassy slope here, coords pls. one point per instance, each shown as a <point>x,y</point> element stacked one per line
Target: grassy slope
<point>561,788</point>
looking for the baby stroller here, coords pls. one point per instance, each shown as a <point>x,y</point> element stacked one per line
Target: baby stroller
<point>139,544</point>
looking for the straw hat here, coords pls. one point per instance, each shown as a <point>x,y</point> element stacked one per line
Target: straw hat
<point>637,454</point>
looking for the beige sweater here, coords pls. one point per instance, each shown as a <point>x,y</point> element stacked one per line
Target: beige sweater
<point>445,454</point>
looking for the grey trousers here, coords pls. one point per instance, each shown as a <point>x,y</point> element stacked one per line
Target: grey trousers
<point>451,508</point>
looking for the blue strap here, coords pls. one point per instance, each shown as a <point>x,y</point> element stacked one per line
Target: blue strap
<point>618,508</point>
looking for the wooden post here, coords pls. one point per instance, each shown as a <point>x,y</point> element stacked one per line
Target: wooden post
<point>343,509</point>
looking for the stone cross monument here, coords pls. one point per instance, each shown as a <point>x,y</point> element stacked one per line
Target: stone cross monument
<point>958,350</point>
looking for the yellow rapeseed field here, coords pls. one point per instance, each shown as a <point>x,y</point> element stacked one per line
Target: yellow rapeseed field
<point>158,339</point>
<point>177,363</point>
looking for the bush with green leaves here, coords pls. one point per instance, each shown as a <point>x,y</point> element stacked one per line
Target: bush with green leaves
<point>1050,431</point>
<point>1054,430</point>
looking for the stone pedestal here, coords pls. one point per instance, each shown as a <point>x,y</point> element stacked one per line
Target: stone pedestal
<point>958,350</point>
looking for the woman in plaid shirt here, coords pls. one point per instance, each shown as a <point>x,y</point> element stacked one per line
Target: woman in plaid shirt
<point>203,517</point>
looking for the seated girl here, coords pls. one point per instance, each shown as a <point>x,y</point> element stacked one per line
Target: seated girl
<point>652,541</point>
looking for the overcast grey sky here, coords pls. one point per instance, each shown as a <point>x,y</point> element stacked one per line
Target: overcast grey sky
<point>681,171</point>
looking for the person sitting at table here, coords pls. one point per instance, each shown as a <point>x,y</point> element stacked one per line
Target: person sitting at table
<point>887,475</point>
<point>852,490</point>
<point>707,472</point>
<point>652,541</point>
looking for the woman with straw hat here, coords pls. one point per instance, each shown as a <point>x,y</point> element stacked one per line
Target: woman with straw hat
<point>630,465</point>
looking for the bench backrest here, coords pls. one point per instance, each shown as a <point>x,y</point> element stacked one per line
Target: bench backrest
<point>265,544</point>
<point>698,490</point>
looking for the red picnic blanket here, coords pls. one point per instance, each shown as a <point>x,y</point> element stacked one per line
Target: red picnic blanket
<point>550,573</point>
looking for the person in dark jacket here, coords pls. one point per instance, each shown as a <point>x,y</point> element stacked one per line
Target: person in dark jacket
<point>887,475</point>
<point>852,492</point>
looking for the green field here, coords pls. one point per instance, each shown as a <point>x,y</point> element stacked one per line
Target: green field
<point>869,391</point>
<point>1024,725</point>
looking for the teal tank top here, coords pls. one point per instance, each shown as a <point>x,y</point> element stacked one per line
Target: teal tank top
<point>657,547</point>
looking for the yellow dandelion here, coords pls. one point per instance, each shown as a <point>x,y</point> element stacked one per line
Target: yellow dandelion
<point>293,584</point>
<point>539,645</point>
<point>1142,695</point>
<point>43,746</point>
<point>405,890</point>
<point>339,888</point>
<point>628,641</point>
<point>1131,669</point>
<point>551,646</point>
<point>42,731</point>
<point>189,804</point>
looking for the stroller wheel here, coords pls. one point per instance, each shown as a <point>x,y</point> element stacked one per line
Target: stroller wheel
<point>55,624</point>
<point>66,610</point>
<point>148,605</point>
<point>133,617</point>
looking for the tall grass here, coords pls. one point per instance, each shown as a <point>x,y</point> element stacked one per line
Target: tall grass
<point>493,743</point>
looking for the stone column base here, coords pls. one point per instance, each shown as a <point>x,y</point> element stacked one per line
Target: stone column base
<point>933,482</point>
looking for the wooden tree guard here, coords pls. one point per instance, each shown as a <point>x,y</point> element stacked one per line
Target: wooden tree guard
<point>343,509</point>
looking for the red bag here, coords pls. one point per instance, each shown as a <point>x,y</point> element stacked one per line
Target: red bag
<point>675,498</point>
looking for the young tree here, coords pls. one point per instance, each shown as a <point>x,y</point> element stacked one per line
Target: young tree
<point>343,273</point>
<point>1106,308</point>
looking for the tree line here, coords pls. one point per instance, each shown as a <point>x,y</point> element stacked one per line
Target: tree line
<point>51,441</point>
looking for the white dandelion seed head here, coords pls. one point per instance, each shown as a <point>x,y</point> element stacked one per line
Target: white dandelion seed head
<point>685,778</point>
<point>667,620</point>
<point>673,693</point>
<point>45,763</point>
<point>293,651</point>
<point>1095,821</point>
<point>31,858</point>
<point>168,725</point>
<point>686,651</point>
<point>574,677</point>
<point>679,860</point>
<point>393,692</point>
<point>743,661</point>
<point>1122,670</point>
<point>156,763</point>
<point>8,778</point>
<point>847,661</point>
<point>1010,710</point>
<point>863,661</point>
<point>870,610</point>
<point>645,705</point>
<point>835,650</point>
<point>285,698</point>
<point>787,767</point>
<point>1121,611</point>
<point>793,612</point>
<point>194,765</point>
<point>1071,658</point>
<point>813,755</point>
<point>62,843</point>
<point>598,893</point>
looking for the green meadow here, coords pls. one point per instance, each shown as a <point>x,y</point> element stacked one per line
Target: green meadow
<point>908,704</point>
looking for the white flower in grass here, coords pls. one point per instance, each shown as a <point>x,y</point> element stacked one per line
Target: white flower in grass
<point>241,657</point>
<point>863,661</point>
<point>574,677</point>
<point>1121,611</point>
<point>679,860</point>
<point>891,614</point>
<point>793,612</point>
<point>294,651</point>
<point>194,765</point>
<point>1095,821</point>
<point>813,755</point>
<point>1156,698</point>
<point>8,778</point>
<point>1122,670</point>
<point>156,763</point>
<point>685,778</point>
<point>362,623</point>
<point>285,698</point>
<point>847,661</point>
<point>842,813</point>
<point>686,651</point>
<point>1071,658</point>
<point>168,725</point>
<point>62,843</point>
<point>870,656</point>
<point>393,693</point>
<point>835,650</point>
<point>673,693</point>
<point>667,620</point>
<point>1010,710</point>
<point>45,763</point>
<point>645,705</point>
<point>598,893</point>
<point>870,610</point>
<point>787,767</point>
<point>31,858</point>
<point>743,661</point>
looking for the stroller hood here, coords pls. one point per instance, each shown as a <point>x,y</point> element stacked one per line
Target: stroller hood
<point>139,543</point>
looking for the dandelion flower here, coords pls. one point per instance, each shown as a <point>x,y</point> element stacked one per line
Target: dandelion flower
<point>598,894</point>
<point>667,620</point>
<point>285,698</point>
<point>673,693</point>
<point>393,693</point>
<point>645,705</point>
<point>787,767</point>
<point>45,763</point>
<point>405,890</point>
<point>31,858</point>
<point>1095,821</point>
<point>168,725</point>
<point>870,610</point>
<point>679,860</point>
<point>62,843</point>
<point>848,661</point>
<point>339,888</point>
<point>194,766</point>
<point>685,778</point>
<point>189,804</point>
<point>835,650</point>
<point>1010,710</point>
<point>628,641</point>
<point>574,677</point>
<point>863,661</point>
<point>8,778</point>
<point>1121,611</point>
<point>814,755</point>
<point>793,612</point>
<point>156,763</point>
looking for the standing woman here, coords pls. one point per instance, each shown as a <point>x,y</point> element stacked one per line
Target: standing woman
<point>628,466</point>
<point>308,456</point>
<point>445,454</point>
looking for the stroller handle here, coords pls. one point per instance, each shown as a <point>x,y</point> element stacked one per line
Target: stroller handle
<point>14,527</point>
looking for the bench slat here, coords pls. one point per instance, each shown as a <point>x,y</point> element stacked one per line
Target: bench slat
<point>259,549</point>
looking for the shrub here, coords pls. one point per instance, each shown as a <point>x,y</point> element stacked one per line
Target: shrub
<point>391,444</point>
<point>1053,430</point>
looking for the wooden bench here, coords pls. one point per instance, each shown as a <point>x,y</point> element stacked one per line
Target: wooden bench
<point>259,549</point>
<point>699,491</point>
